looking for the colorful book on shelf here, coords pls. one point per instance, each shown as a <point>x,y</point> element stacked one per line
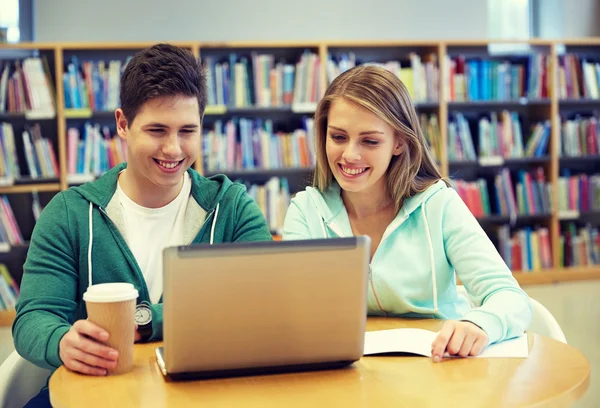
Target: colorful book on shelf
<point>273,199</point>
<point>489,79</point>
<point>431,131</point>
<point>26,87</point>
<point>580,192</point>
<point>9,161</point>
<point>580,136</point>
<point>530,195</point>
<point>579,246</point>
<point>9,290</point>
<point>95,152</point>
<point>10,232</point>
<point>92,85</point>
<point>246,144</point>
<point>475,196</point>
<point>260,80</point>
<point>460,141</point>
<point>578,77</point>
<point>525,250</point>
<point>39,153</point>
<point>420,74</point>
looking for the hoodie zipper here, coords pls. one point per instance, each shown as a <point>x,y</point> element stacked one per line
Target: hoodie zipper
<point>386,234</point>
<point>371,284</point>
<point>374,291</point>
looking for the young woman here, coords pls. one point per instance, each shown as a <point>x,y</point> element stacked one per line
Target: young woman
<point>375,176</point>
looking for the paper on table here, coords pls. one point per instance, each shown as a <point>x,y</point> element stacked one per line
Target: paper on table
<point>418,341</point>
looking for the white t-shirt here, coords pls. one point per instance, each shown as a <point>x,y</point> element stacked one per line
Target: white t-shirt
<point>149,230</point>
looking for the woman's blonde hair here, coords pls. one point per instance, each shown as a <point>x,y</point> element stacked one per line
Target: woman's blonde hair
<point>379,91</point>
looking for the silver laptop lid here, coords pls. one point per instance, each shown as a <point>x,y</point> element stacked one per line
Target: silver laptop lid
<point>261,304</point>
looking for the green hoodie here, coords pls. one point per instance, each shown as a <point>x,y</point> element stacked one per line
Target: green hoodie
<point>56,270</point>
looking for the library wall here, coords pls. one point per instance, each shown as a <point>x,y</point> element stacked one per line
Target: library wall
<point>265,20</point>
<point>581,18</point>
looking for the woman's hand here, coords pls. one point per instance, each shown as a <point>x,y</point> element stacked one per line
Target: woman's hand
<point>459,338</point>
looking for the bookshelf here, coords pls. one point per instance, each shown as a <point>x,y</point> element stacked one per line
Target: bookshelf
<point>274,108</point>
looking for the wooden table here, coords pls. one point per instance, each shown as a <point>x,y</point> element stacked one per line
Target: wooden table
<point>554,374</point>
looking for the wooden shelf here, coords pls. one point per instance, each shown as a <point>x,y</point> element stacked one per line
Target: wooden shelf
<point>7,318</point>
<point>519,219</point>
<point>88,114</point>
<point>537,109</point>
<point>283,172</point>
<point>508,104</point>
<point>558,275</point>
<point>579,102</point>
<point>566,161</point>
<point>493,162</point>
<point>30,188</point>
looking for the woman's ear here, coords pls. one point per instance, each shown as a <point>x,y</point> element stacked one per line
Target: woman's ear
<point>398,146</point>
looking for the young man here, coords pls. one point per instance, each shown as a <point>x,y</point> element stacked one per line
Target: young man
<point>114,229</point>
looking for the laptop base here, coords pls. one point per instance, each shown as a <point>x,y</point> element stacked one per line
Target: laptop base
<point>245,372</point>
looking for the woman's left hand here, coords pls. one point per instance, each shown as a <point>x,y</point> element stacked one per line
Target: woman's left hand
<point>459,338</point>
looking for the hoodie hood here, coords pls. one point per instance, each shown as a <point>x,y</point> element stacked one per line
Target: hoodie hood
<point>330,206</point>
<point>207,192</point>
<point>334,216</point>
<point>433,239</point>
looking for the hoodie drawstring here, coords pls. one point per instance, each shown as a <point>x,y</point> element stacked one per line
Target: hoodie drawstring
<point>212,236</point>
<point>90,248</point>
<point>431,260</point>
<point>212,229</point>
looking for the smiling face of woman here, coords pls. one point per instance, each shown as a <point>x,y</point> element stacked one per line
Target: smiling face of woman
<point>359,148</point>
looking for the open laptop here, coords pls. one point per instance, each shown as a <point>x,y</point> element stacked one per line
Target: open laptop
<point>263,307</point>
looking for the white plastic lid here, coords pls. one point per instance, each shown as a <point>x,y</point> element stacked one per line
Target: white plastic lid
<point>110,292</point>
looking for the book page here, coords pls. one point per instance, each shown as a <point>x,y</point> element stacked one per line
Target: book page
<point>418,341</point>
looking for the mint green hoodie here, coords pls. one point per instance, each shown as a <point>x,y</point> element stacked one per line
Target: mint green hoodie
<point>56,271</point>
<point>413,269</point>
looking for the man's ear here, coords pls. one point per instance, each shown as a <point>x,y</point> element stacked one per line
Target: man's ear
<point>398,145</point>
<point>122,125</point>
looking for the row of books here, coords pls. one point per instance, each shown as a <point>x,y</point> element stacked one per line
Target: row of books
<point>578,77</point>
<point>261,80</point>
<point>580,136</point>
<point>92,85</point>
<point>481,79</point>
<point>499,135</point>
<point>10,233</point>
<point>503,136</point>
<point>245,144</point>
<point>430,126</point>
<point>273,199</point>
<point>26,87</point>
<point>579,192</point>
<point>420,75</point>
<point>530,195</point>
<point>40,156</point>
<point>525,250</point>
<point>579,246</point>
<point>93,150</point>
<point>9,290</point>
<point>9,162</point>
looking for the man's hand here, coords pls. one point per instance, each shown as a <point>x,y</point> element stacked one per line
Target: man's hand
<point>82,349</point>
<point>459,338</point>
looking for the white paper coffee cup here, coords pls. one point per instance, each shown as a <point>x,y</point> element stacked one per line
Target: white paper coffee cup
<point>112,307</point>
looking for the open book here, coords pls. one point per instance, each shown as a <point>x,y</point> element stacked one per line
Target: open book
<point>418,341</point>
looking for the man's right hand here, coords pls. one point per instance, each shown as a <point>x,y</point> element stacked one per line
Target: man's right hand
<point>82,349</point>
